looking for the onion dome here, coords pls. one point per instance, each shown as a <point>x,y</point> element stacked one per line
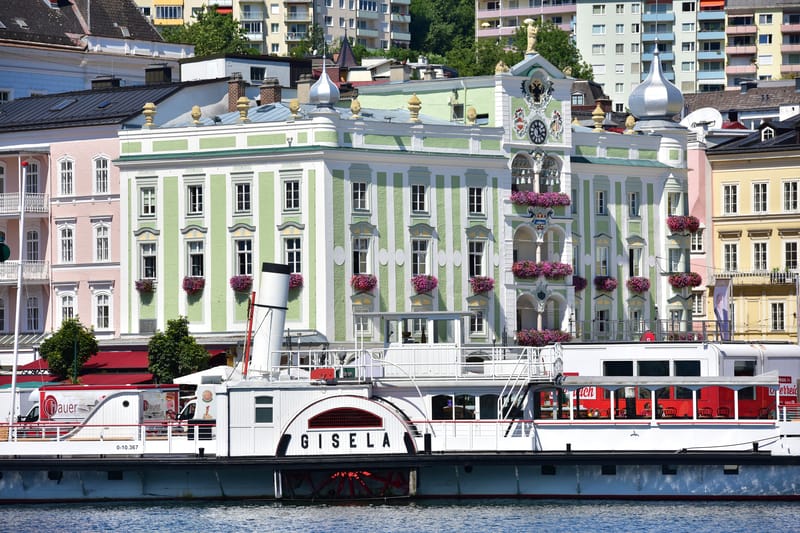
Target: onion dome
<point>656,97</point>
<point>324,93</point>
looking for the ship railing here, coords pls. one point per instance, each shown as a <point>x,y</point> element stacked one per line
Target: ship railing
<point>419,361</point>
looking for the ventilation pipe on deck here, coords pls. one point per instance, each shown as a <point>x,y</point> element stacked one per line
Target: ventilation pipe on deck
<point>269,318</point>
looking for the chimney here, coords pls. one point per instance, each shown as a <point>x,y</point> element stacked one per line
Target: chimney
<point>235,90</point>
<point>304,88</point>
<point>399,72</point>
<point>157,73</point>
<point>270,91</point>
<point>429,74</point>
<point>105,82</point>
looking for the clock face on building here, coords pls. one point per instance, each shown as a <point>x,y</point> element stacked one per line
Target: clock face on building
<point>537,131</point>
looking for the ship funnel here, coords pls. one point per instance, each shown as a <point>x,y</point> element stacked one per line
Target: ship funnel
<point>269,317</point>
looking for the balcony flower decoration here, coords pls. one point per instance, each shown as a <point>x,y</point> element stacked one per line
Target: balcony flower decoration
<point>529,269</point>
<point>638,285</point>
<point>540,199</point>
<point>481,284</point>
<point>533,337</point>
<point>605,283</point>
<point>363,282</point>
<point>685,279</point>
<point>295,281</point>
<point>579,282</point>
<point>144,285</point>
<point>193,284</point>
<point>241,283</point>
<point>680,224</point>
<point>424,283</point>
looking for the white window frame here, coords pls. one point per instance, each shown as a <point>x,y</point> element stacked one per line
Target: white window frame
<point>33,315</point>
<point>760,257</point>
<point>634,204</point>
<point>475,201</point>
<point>102,242</point>
<point>196,258</point>
<point>730,256</point>
<point>600,203</point>
<point>760,197</point>
<point>791,256</point>
<point>66,306</point>
<point>791,196</point>
<point>66,176</point>
<point>147,201</point>
<point>101,169</point>
<point>291,195</point>
<point>360,190</point>
<point>601,265</point>
<point>293,253</point>
<point>777,316</point>
<point>243,257</point>
<point>476,251</point>
<point>242,197</point>
<point>420,256</point>
<point>66,243</point>
<point>419,198</point>
<point>730,199</point>
<point>148,253</point>
<point>477,324</point>
<point>361,255</point>
<point>195,199</point>
<point>98,298</point>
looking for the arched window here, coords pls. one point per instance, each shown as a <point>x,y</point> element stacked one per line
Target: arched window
<point>32,178</point>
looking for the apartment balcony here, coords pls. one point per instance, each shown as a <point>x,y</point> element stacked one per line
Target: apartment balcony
<point>711,15</point>
<point>790,69</point>
<point>364,14</point>
<point>297,1</point>
<point>707,75</point>
<point>740,69</point>
<point>366,32</point>
<point>32,272</point>
<point>710,56</point>
<point>35,204</point>
<point>221,3</point>
<point>667,37</point>
<point>401,2</point>
<point>255,36</point>
<point>496,32</point>
<point>741,50</point>
<point>790,48</point>
<point>297,16</point>
<point>400,18</point>
<point>710,35</point>
<point>665,56</point>
<point>741,30</point>
<point>759,278</point>
<point>401,36</point>
<point>295,36</point>
<point>669,16</point>
<point>790,28</point>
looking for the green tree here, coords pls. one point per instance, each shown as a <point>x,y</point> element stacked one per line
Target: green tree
<point>312,44</point>
<point>68,349</point>
<point>213,33</point>
<point>174,352</point>
<point>555,45</point>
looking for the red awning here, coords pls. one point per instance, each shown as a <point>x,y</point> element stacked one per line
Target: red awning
<point>117,378</point>
<point>116,360</point>
<point>43,379</point>
<point>37,366</point>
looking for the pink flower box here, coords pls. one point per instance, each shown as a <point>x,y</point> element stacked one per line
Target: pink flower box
<point>424,283</point>
<point>363,282</point>
<point>481,284</point>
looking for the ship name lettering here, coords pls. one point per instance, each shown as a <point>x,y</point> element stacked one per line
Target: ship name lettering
<point>352,440</point>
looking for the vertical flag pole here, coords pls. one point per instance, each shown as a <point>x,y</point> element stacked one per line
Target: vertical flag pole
<point>20,247</point>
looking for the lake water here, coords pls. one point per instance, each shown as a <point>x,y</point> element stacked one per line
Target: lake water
<point>439,516</point>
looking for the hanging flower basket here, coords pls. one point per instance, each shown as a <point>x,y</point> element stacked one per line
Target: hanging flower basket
<point>680,224</point>
<point>363,282</point>
<point>145,285</point>
<point>481,284</point>
<point>531,269</point>
<point>295,281</point>
<point>424,283</point>
<point>605,283</point>
<point>534,337</point>
<point>579,282</point>
<point>685,279</point>
<point>540,199</point>
<point>638,285</point>
<point>241,283</point>
<point>193,284</point>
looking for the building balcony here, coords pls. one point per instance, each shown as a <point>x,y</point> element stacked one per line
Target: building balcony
<point>252,16</point>
<point>711,36</point>
<point>740,50</point>
<point>400,18</point>
<point>364,14</point>
<point>402,2</point>
<point>711,75</point>
<point>790,69</point>
<point>496,32</point>
<point>667,37</point>
<point>297,16</point>
<point>669,16</point>
<point>255,36</point>
<point>710,56</point>
<point>711,15</point>
<point>35,204</point>
<point>295,36</point>
<point>297,1</point>
<point>401,36</point>
<point>366,32</point>
<point>665,56</point>
<point>790,28</point>
<point>221,3</point>
<point>32,271</point>
<point>740,69</point>
<point>759,278</point>
<point>741,30</point>
<point>790,48</point>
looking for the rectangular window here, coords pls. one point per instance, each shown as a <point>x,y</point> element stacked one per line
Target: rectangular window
<point>759,256</point>
<point>148,263</point>
<point>360,196</point>
<point>102,310</point>
<point>263,410</point>
<point>759,197</point>
<point>620,8</point>
<point>102,241</point>
<point>419,256</point>
<point>242,192</point>
<point>687,66</point>
<point>619,49</point>
<point>730,202</point>
<point>244,257</point>
<point>687,26</point>
<point>32,313</point>
<point>633,204</point>
<point>601,264</point>
<point>674,257</point>
<point>698,304</point>
<point>361,255</point>
<point>196,258</point>
<point>101,175</point>
<point>635,27</point>
<point>475,200</point>
<point>418,197</point>
<point>687,7</point>
<point>777,320</point>
<point>635,258</point>
<point>619,68</point>
<point>194,200</point>
<point>687,46</point>
<point>294,254</point>
<point>730,258</point>
<point>67,245</point>
<point>620,28</point>
<point>147,202</point>
<point>169,12</point>
<point>764,18</point>
<point>635,50</point>
<point>363,326</point>
<point>598,49</point>
<point>765,38</point>
<point>476,249</point>
<point>674,203</point>
<point>600,203</point>
<point>619,88</point>
<point>67,307</point>
<point>790,195</point>
<point>291,195</point>
<point>598,29</point>
<point>66,177</point>
<point>790,256</point>
<point>477,324</point>
<point>598,9</point>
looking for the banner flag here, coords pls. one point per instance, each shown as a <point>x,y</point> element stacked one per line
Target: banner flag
<point>722,307</point>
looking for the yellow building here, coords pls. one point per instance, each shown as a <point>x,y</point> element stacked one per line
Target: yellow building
<point>755,228</point>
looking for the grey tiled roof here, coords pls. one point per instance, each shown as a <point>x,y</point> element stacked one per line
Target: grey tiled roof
<point>786,135</point>
<point>766,97</point>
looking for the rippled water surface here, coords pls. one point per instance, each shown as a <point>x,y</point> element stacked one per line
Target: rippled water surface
<point>440,516</point>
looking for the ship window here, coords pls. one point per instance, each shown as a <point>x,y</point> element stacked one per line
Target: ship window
<point>609,470</point>
<point>264,409</point>
<point>548,470</point>
<point>731,470</point>
<point>465,407</point>
<point>345,417</point>
<point>488,407</point>
<point>669,470</point>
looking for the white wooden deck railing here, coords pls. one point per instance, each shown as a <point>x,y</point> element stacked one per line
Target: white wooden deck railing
<point>31,271</point>
<point>34,203</point>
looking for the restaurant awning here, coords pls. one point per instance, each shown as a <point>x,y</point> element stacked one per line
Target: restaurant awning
<point>117,378</point>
